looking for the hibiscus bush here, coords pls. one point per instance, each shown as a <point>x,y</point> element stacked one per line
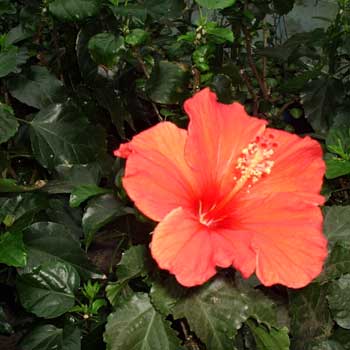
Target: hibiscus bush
<point>174,175</point>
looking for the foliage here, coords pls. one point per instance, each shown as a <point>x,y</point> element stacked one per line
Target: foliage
<point>78,77</point>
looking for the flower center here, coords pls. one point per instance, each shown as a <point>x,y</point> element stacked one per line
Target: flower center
<point>253,163</point>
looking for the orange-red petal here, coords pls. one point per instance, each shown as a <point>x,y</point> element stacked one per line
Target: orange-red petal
<point>287,238</point>
<point>181,245</point>
<point>217,134</point>
<point>157,178</point>
<point>298,168</point>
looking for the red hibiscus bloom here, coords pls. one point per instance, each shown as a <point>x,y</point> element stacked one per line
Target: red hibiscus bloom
<point>229,192</point>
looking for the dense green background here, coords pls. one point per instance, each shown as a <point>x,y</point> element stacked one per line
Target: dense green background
<point>80,76</point>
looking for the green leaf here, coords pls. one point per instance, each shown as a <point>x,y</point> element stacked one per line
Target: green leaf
<point>45,337</point>
<point>49,337</point>
<point>326,345</point>
<point>18,212</point>
<point>168,82</point>
<point>10,185</point>
<point>310,316</point>
<point>339,301</point>
<point>99,212</point>
<point>320,99</point>
<point>214,312</point>
<point>37,87</point>
<point>106,49</point>
<point>338,262</point>
<point>222,85</point>
<point>6,8</point>
<point>268,339</point>
<point>49,290</point>
<point>215,4</point>
<point>8,123</point>
<point>135,262</point>
<point>337,223</point>
<point>342,336</point>
<point>83,192</point>
<point>165,295</point>
<point>12,250</point>
<point>218,35</point>
<point>76,10</point>
<point>48,241</point>
<point>58,136</point>
<point>336,166</point>
<point>282,7</point>
<point>338,141</point>
<point>137,37</point>
<point>136,325</point>
<point>10,59</point>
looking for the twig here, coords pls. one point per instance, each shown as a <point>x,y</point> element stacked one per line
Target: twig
<point>251,63</point>
<point>248,82</point>
<point>285,106</point>
<point>144,69</point>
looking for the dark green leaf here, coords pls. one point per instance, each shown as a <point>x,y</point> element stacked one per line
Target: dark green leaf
<point>74,10</point>
<point>168,82</point>
<point>47,337</point>
<point>222,85</point>
<point>337,223</point>
<point>342,336</point>
<point>37,87</point>
<point>310,316</point>
<point>164,9</point>
<point>268,339</point>
<point>10,59</point>
<point>99,212</point>
<point>83,192</point>
<point>339,301</point>
<point>48,241</point>
<point>338,262</point>
<point>58,136</point>
<point>6,8</point>
<point>326,345</point>
<point>12,250</point>
<point>106,49</point>
<point>215,4</point>
<point>320,100</point>
<point>8,123</point>
<point>18,212</point>
<point>136,325</point>
<point>282,7</point>
<point>214,312</point>
<point>219,35</point>
<point>49,290</point>
<point>137,37</point>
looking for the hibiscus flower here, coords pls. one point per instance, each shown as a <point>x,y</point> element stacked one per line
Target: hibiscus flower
<point>229,191</point>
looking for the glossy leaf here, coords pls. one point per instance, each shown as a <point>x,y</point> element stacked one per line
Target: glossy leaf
<point>83,192</point>
<point>136,325</point>
<point>74,10</point>
<point>106,49</point>
<point>267,339</point>
<point>336,166</point>
<point>46,337</point>
<point>12,249</point>
<point>214,312</point>
<point>58,136</point>
<point>37,87</point>
<point>48,291</point>
<point>338,262</point>
<point>8,123</point>
<point>99,212</point>
<point>168,82</point>
<point>10,60</point>
<point>339,301</point>
<point>10,185</point>
<point>137,37</point>
<point>50,241</point>
<point>215,4</point>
